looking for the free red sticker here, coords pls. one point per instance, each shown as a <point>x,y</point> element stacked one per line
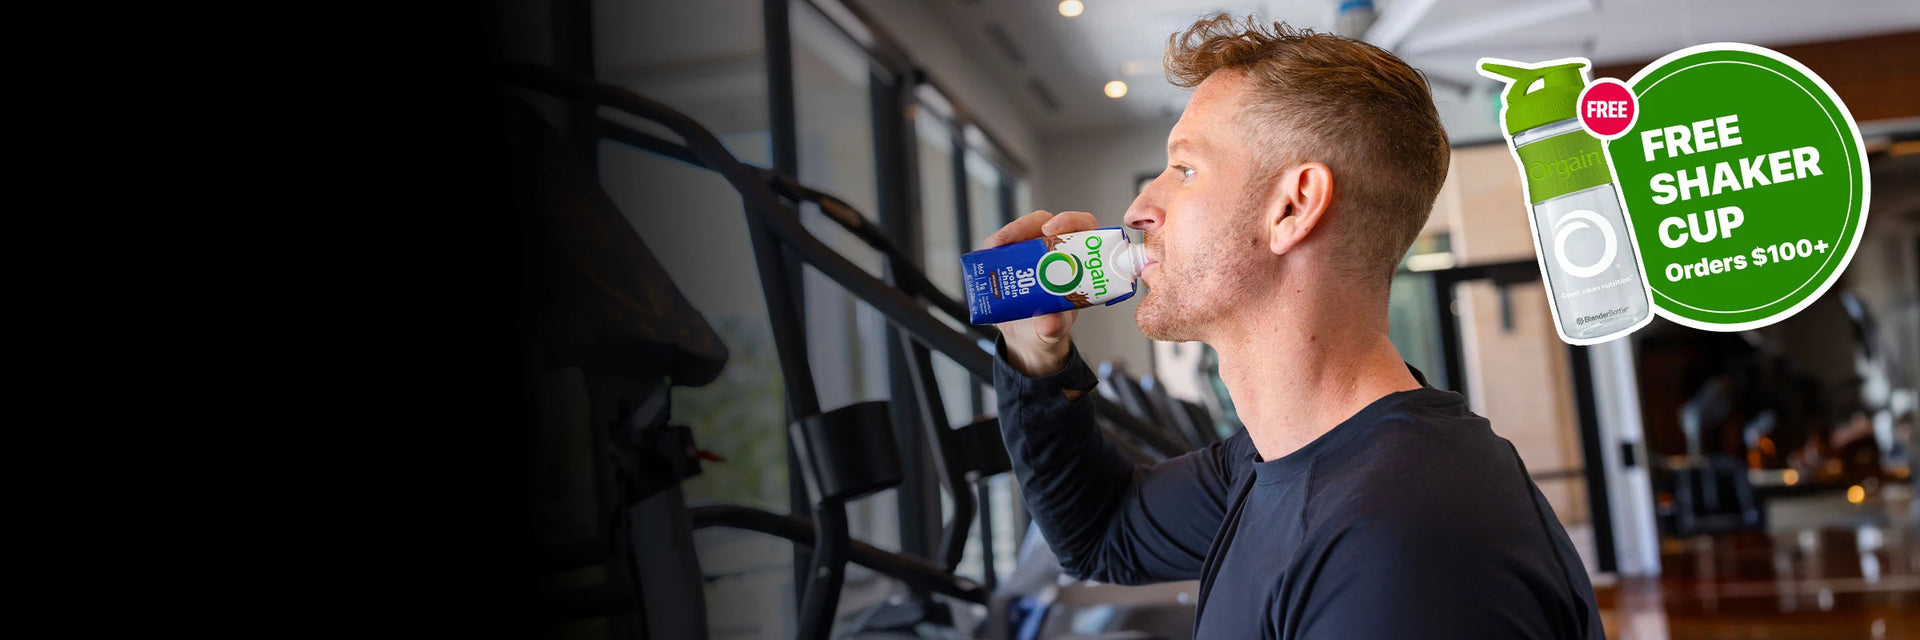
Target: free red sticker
<point>1607,109</point>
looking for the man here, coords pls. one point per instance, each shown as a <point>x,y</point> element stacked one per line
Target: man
<point>1358,502</point>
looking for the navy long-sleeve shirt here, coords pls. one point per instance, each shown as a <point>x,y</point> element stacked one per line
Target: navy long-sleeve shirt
<point>1411,519</point>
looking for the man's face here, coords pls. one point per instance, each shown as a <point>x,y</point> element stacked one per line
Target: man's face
<point>1200,217</point>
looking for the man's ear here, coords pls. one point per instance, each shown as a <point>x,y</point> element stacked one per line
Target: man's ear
<point>1301,195</point>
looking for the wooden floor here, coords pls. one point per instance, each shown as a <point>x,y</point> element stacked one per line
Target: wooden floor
<point>1835,580</point>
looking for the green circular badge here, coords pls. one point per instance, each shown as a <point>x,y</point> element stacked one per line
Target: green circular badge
<point>1744,177</point>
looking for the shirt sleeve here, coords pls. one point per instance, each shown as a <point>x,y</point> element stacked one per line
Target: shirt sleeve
<point>1106,519</point>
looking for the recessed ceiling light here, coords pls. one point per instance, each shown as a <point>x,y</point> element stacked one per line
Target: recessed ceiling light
<point>1071,8</point>
<point>1116,89</point>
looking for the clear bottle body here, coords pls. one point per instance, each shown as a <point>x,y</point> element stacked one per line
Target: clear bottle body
<point>1586,247</point>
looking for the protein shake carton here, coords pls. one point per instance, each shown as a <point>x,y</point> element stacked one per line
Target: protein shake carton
<point>1051,274</point>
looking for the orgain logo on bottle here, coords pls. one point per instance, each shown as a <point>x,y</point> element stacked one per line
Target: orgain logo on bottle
<point>1575,221</point>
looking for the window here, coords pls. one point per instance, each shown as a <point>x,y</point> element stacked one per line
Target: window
<point>846,338</point>
<point>710,65</point>
<point>941,242</point>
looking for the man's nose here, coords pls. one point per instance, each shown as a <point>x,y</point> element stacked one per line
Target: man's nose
<point>1145,215</point>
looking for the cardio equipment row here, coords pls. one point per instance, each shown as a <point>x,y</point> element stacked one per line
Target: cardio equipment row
<point>606,306</point>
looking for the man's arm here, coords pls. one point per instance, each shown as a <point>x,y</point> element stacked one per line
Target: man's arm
<point>1107,519</point>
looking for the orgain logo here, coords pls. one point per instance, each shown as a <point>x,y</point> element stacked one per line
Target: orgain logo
<point>1575,221</point>
<point>1565,167</point>
<point>1060,272</point>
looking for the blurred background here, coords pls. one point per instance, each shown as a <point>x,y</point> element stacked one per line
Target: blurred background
<point>1718,485</point>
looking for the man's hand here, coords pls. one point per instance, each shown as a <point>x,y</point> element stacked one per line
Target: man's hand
<point>1038,346</point>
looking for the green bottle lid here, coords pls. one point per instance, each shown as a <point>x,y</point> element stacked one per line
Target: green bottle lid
<point>1552,102</point>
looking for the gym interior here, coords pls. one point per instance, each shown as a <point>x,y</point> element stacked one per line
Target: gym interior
<point>763,413</point>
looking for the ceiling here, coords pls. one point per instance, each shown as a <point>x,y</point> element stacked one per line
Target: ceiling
<point>1059,65</point>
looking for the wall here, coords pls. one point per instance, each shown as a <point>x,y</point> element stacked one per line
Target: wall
<point>1471,117</point>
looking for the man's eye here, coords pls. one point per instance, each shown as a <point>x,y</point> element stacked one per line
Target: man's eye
<point>1186,173</point>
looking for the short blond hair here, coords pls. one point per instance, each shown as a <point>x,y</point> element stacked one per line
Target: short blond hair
<point>1343,102</point>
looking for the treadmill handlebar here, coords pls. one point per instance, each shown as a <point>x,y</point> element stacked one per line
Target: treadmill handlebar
<point>761,201</point>
<point>913,571</point>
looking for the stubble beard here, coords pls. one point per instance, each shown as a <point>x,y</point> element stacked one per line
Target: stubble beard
<point>1196,292</point>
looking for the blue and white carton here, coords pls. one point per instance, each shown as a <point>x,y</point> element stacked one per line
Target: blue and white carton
<point>1051,274</point>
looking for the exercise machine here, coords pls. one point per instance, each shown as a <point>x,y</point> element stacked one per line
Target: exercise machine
<point>610,310</point>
